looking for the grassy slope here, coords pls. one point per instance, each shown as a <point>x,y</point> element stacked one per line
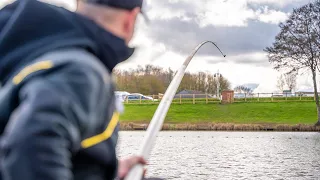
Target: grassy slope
<point>242,113</point>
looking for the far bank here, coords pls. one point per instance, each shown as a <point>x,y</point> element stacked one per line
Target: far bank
<point>279,116</point>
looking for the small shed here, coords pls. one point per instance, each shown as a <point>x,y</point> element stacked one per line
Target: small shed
<point>227,97</point>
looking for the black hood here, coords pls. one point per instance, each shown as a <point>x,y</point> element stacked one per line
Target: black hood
<point>29,28</point>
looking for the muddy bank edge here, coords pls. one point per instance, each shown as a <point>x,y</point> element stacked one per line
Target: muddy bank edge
<point>127,126</point>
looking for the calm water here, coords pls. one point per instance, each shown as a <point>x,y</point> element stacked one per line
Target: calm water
<point>229,155</point>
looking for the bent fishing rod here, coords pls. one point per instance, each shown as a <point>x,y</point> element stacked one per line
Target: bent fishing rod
<point>156,123</point>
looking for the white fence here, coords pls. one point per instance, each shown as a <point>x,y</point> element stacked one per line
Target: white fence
<point>209,98</point>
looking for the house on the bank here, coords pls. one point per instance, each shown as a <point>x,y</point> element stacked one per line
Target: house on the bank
<point>306,92</point>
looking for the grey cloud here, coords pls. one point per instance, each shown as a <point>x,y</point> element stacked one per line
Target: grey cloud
<point>244,59</point>
<point>216,61</point>
<point>287,7</point>
<point>258,63</point>
<point>182,36</point>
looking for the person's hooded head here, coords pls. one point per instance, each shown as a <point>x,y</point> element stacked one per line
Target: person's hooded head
<point>116,16</point>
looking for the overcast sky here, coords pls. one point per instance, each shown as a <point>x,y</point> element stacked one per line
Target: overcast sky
<point>241,28</point>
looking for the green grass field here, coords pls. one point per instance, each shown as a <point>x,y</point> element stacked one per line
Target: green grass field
<point>239,113</point>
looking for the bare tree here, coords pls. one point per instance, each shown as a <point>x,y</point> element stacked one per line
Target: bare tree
<point>297,46</point>
<point>224,84</point>
<point>291,80</point>
<point>280,83</point>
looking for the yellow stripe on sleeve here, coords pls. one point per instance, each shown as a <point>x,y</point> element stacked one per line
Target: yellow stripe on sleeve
<point>89,142</point>
<point>31,69</point>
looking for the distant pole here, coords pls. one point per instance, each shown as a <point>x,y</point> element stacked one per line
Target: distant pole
<point>156,123</point>
<point>206,98</point>
<point>217,76</point>
<point>193,99</point>
<point>218,84</point>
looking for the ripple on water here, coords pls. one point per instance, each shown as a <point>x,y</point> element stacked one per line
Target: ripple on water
<point>229,155</point>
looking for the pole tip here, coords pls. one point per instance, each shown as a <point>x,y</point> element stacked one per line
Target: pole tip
<point>224,55</point>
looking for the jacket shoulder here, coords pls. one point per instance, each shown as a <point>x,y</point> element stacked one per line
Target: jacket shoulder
<point>58,60</point>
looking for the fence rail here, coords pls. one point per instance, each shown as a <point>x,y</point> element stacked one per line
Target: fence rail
<point>209,99</point>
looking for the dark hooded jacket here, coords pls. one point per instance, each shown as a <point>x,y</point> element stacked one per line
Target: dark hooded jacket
<point>57,112</point>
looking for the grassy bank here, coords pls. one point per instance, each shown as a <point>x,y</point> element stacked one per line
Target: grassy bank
<point>288,113</point>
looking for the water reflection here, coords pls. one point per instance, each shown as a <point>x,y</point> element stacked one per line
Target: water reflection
<point>229,155</point>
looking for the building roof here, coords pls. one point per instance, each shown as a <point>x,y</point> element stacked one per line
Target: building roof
<point>190,92</point>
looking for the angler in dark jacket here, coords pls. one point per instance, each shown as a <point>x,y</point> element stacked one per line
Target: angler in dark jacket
<point>57,106</point>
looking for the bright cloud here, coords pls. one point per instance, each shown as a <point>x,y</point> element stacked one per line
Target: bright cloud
<point>272,16</point>
<point>215,13</point>
<point>4,2</point>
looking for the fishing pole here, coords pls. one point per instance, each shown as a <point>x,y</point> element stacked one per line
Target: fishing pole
<point>156,123</point>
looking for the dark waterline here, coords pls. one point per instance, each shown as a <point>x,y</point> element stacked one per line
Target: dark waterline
<point>229,155</point>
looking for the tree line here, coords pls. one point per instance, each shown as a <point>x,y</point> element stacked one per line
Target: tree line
<point>152,80</point>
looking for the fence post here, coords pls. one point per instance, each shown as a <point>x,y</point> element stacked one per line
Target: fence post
<point>140,99</point>
<point>300,97</point>
<point>286,96</point>
<point>153,99</point>
<point>272,97</point>
<point>206,98</point>
<point>127,99</point>
<point>194,99</point>
<point>258,96</point>
<point>245,97</point>
<point>180,99</point>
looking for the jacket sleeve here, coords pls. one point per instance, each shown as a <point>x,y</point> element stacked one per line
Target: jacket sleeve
<point>56,112</point>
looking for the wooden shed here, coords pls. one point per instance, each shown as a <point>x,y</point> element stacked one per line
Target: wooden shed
<point>227,97</point>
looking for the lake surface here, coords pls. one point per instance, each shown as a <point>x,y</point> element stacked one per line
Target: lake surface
<point>229,155</point>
